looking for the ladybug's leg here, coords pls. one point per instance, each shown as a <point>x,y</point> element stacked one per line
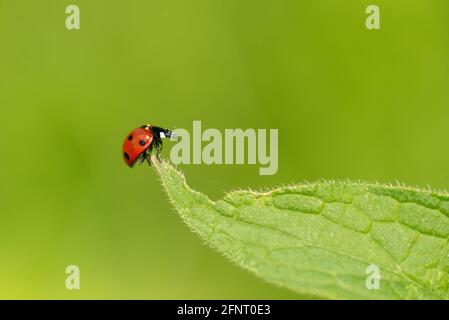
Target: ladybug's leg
<point>148,160</point>
<point>147,154</point>
<point>141,158</point>
<point>158,147</point>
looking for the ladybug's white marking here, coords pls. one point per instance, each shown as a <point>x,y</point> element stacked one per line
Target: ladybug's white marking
<point>162,135</point>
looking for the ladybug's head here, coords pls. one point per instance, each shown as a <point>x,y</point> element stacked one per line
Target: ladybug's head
<point>169,134</point>
<point>164,133</point>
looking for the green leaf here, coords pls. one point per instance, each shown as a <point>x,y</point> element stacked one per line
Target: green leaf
<point>319,238</point>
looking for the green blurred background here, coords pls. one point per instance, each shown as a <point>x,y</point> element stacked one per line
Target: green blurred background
<point>348,102</point>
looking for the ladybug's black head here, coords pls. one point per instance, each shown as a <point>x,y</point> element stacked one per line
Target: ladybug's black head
<point>170,135</point>
<point>164,133</point>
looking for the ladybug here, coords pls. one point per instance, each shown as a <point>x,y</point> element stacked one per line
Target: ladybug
<point>138,144</point>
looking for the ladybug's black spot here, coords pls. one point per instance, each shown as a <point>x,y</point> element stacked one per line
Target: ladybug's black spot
<point>126,155</point>
<point>130,137</point>
<point>142,142</point>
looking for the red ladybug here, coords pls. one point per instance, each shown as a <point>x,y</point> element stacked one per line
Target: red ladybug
<point>139,143</point>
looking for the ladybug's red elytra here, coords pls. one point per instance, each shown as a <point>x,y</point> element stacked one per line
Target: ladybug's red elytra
<point>138,144</point>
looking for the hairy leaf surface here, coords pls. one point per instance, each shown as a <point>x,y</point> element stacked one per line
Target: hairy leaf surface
<point>321,238</point>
